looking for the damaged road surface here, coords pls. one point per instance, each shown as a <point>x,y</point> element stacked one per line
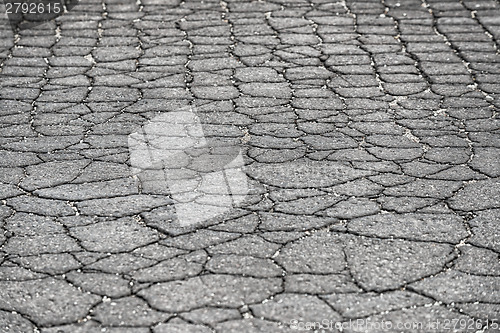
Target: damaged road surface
<point>251,166</point>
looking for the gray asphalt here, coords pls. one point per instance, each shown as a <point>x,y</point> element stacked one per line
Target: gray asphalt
<point>264,166</point>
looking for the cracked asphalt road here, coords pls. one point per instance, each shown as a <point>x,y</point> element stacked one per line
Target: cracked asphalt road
<point>371,140</point>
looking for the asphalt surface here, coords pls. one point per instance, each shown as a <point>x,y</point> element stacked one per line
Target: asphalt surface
<point>370,189</point>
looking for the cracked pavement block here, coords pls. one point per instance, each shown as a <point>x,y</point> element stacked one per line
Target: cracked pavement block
<point>14,322</point>
<point>361,305</point>
<point>455,286</point>
<point>127,311</point>
<point>51,174</point>
<point>479,195</point>
<point>352,208</point>
<point>178,268</point>
<point>210,290</point>
<point>179,328</point>
<point>121,235</point>
<point>286,307</point>
<point>485,229</point>
<point>63,303</point>
<point>289,222</point>
<point>306,174</point>
<point>211,316</point>
<point>320,284</point>
<point>320,253</point>
<point>243,265</point>
<point>474,260</point>
<point>121,206</point>
<point>380,265</point>
<point>424,227</point>
<point>33,245</point>
<point>200,239</point>
<point>109,285</point>
<point>247,245</point>
<point>425,188</point>
<point>120,263</point>
<point>41,206</point>
<point>92,327</point>
<point>104,189</point>
<point>53,264</point>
